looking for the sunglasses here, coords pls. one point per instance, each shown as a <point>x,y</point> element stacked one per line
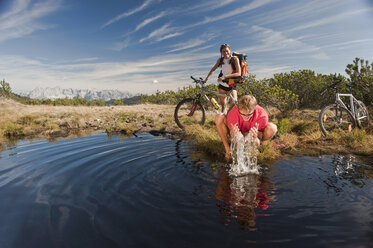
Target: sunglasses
<point>223,46</point>
<point>246,115</point>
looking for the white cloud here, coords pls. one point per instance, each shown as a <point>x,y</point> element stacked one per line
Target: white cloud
<point>149,20</point>
<point>162,33</point>
<point>128,13</point>
<point>266,71</point>
<point>320,56</point>
<point>119,46</point>
<point>168,36</point>
<point>210,5</point>
<point>274,41</point>
<point>329,19</point>
<point>186,45</point>
<point>172,71</point>
<point>348,44</point>
<point>299,11</point>
<point>22,19</point>
<point>86,59</point>
<point>251,6</point>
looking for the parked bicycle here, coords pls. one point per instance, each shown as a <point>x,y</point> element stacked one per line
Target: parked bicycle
<point>343,115</point>
<point>192,111</point>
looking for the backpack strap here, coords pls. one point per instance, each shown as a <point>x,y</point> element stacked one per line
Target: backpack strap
<point>233,64</point>
<point>231,61</point>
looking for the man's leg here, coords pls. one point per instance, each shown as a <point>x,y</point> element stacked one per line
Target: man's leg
<point>234,94</point>
<point>221,126</point>
<point>268,132</point>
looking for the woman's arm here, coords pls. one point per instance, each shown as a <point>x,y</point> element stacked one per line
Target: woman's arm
<point>213,69</point>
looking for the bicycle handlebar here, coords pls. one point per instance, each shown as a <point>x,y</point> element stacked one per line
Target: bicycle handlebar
<point>200,81</point>
<point>333,85</point>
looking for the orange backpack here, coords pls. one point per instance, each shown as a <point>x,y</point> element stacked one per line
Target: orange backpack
<point>242,62</point>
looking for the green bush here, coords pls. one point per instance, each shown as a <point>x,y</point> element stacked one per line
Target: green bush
<point>283,126</point>
<point>5,89</point>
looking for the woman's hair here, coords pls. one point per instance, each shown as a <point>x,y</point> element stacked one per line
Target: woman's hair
<point>224,46</point>
<point>247,102</point>
<point>221,49</point>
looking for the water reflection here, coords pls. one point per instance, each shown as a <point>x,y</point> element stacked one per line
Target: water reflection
<point>345,168</point>
<point>151,191</point>
<point>243,198</point>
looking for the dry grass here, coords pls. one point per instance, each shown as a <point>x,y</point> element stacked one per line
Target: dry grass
<point>17,119</point>
<point>299,131</point>
<point>11,110</point>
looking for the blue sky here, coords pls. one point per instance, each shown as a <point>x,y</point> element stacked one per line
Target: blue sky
<point>144,45</point>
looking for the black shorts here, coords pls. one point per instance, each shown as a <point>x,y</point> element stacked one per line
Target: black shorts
<point>234,87</point>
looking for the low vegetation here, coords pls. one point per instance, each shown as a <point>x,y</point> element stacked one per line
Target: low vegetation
<point>291,99</point>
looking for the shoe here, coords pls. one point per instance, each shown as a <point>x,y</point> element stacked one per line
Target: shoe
<point>277,143</point>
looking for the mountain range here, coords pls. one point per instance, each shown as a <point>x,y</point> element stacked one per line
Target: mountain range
<point>90,94</point>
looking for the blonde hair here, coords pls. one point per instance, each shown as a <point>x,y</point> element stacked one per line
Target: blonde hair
<point>247,102</point>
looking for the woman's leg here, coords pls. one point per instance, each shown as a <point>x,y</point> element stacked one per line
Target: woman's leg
<point>222,99</point>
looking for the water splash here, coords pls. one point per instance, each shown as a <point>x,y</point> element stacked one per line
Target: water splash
<point>243,150</point>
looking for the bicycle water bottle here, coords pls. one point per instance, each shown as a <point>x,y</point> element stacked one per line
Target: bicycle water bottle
<point>215,103</point>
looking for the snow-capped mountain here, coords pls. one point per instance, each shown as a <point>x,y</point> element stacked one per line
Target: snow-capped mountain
<point>90,94</point>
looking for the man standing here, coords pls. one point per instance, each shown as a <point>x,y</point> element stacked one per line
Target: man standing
<point>246,117</point>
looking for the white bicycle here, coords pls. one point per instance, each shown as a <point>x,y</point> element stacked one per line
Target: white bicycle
<point>343,115</point>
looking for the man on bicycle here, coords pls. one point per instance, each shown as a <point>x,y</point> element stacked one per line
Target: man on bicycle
<point>248,118</point>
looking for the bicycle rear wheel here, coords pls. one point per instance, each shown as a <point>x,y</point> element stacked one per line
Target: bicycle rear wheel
<point>362,115</point>
<point>189,111</point>
<point>335,117</point>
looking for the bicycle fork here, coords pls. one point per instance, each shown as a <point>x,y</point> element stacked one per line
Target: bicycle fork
<point>193,108</point>
<point>340,119</point>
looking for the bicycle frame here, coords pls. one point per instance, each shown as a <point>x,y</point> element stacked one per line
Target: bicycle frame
<point>352,100</point>
<point>203,91</point>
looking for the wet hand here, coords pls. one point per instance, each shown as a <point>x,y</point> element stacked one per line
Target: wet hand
<point>254,130</point>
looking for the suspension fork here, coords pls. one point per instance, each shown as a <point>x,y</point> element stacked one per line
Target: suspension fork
<point>194,106</point>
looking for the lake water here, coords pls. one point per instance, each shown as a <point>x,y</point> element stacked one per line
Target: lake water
<point>153,191</point>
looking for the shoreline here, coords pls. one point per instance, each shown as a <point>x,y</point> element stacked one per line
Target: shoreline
<point>19,121</point>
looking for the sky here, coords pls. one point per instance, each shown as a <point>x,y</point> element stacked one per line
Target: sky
<point>140,46</point>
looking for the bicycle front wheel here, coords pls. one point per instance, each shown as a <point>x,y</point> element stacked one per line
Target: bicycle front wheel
<point>335,117</point>
<point>362,115</point>
<point>189,111</point>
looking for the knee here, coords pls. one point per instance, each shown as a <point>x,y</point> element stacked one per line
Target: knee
<point>219,119</point>
<point>270,130</point>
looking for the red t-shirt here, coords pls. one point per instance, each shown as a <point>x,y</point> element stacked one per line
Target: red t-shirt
<point>260,116</point>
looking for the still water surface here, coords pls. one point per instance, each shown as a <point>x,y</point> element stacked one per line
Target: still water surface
<point>153,191</point>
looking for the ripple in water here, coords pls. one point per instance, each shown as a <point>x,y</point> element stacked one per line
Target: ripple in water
<point>152,191</point>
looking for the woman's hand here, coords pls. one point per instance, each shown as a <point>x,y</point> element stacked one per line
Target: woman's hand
<point>220,79</point>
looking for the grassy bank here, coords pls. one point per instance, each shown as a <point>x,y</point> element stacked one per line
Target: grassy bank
<point>298,130</point>
<point>18,120</point>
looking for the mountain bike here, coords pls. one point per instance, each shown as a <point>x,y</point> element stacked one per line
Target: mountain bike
<point>343,115</point>
<point>192,111</point>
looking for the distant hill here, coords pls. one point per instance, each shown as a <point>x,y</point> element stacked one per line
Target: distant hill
<point>90,94</point>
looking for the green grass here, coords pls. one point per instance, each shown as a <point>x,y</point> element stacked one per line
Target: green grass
<point>208,140</point>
